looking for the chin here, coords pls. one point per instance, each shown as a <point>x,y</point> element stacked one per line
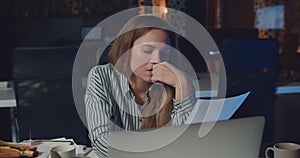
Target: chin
<point>148,80</point>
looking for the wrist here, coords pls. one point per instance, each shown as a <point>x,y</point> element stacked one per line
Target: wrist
<point>182,88</point>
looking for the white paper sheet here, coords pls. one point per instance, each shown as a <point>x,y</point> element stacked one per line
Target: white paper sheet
<point>215,109</point>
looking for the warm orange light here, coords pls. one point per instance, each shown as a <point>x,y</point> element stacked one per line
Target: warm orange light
<point>165,10</point>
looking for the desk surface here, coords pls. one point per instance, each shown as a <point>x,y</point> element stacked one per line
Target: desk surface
<point>92,154</point>
<point>284,89</point>
<point>7,98</point>
<point>205,90</point>
<point>288,88</point>
<point>7,95</point>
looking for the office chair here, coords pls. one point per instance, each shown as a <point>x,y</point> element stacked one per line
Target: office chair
<point>252,65</point>
<point>43,86</point>
<point>287,114</point>
<point>288,57</point>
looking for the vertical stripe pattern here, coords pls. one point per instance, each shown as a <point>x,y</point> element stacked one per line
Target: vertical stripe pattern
<point>106,88</point>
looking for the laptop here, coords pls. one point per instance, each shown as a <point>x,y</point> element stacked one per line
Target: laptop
<point>236,138</point>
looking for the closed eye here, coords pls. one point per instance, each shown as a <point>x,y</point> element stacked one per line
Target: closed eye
<point>148,48</point>
<point>148,51</point>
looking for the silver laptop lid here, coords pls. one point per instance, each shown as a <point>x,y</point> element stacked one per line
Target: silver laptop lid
<point>228,139</point>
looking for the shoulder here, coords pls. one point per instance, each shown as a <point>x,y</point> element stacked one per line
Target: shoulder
<point>102,69</point>
<point>104,73</point>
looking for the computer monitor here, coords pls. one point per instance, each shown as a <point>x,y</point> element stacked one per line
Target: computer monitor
<point>96,33</point>
<point>5,66</point>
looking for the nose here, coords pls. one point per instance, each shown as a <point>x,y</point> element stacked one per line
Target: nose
<point>155,57</point>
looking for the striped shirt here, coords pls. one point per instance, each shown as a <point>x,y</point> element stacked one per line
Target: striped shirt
<point>108,88</point>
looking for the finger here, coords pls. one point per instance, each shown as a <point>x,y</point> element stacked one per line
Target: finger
<point>173,68</point>
<point>161,67</point>
<point>157,75</point>
<point>160,71</point>
<point>163,74</point>
<point>180,75</point>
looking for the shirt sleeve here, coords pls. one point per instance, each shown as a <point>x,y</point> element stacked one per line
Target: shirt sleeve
<point>182,109</point>
<point>98,111</point>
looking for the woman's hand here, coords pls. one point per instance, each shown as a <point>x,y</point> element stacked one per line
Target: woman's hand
<point>167,73</point>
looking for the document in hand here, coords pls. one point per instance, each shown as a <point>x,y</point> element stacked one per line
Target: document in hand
<point>215,109</point>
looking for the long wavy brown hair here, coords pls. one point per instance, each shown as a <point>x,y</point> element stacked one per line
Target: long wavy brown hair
<point>132,30</point>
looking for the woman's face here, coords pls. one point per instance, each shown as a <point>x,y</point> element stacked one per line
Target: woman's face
<point>148,50</point>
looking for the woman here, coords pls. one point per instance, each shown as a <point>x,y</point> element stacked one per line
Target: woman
<point>119,93</point>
